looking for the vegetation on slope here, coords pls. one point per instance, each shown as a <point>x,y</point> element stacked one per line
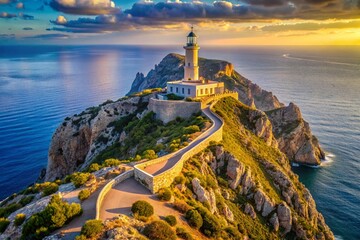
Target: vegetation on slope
<point>148,133</point>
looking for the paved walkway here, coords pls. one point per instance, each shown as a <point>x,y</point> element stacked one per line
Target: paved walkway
<point>165,165</point>
<point>120,198</point>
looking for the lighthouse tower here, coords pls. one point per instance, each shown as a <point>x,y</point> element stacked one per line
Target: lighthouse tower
<point>191,86</point>
<point>191,68</point>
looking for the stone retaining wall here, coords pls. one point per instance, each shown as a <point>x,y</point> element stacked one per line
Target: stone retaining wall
<point>109,186</point>
<point>164,179</point>
<point>168,110</point>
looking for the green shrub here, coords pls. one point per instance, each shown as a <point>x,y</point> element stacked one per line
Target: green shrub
<point>181,206</point>
<point>164,194</point>
<point>94,167</point>
<point>4,222</point>
<point>49,188</point>
<point>194,218</point>
<point>210,224</point>
<point>19,219</point>
<point>172,96</point>
<point>191,129</point>
<point>6,211</point>
<point>142,208</point>
<point>84,194</point>
<point>179,180</point>
<point>80,237</point>
<point>171,220</point>
<point>54,216</point>
<point>79,179</point>
<point>233,233</point>
<point>92,228</point>
<point>111,162</point>
<point>149,154</point>
<point>159,230</point>
<point>183,234</point>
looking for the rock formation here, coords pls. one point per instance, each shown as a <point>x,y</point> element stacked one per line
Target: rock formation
<point>294,135</point>
<point>82,137</point>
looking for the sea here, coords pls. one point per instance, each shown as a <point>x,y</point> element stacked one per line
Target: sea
<point>41,85</point>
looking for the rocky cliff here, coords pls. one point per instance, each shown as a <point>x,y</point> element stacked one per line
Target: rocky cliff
<point>247,183</point>
<point>290,129</point>
<point>83,136</point>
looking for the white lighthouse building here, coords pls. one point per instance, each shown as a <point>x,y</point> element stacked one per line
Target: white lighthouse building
<point>192,85</point>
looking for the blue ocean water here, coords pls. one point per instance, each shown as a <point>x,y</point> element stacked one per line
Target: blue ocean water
<point>40,86</point>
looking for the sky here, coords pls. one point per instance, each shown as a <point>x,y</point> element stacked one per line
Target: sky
<point>237,22</point>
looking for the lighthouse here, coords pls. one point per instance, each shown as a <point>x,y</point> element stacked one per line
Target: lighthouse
<point>192,85</point>
<point>191,67</point>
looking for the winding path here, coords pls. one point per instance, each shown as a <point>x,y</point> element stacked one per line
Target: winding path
<point>161,167</point>
<point>120,198</point>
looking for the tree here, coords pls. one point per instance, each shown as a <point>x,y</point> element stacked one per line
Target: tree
<point>159,230</point>
<point>92,228</point>
<point>194,218</point>
<point>142,208</point>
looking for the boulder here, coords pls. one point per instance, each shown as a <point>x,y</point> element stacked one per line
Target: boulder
<point>284,216</point>
<point>249,210</point>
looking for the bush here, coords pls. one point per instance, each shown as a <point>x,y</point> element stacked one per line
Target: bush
<point>194,218</point>
<point>164,194</point>
<point>80,237</point>
<point>111,162</point>
<point>79,179</point>
<point>84,194</point>
<point>92,228</point>
<point>171,220</point>
<point>181,206</point>
<point>26,200</point>
<point>191,129</point>
<point>6,211</point>
<point>210,224</point>
<point>159,230</point>
<point>183,234</point>
<point>142,208</point>
<point>179,180</point>
<point>19,219</point>
<point>4,222</point>
<point>149,154</point>
<point>94,167</point>
<point>54,216</point>
<point>50,188</point>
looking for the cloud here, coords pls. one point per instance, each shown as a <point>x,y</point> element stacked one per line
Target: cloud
<point>84,7</point>
<point>4,1</point>
<point>20,5</point>
<point>50,36</point>
<point>60,20</point>
<point>26,16</point>
<point>150,15</point>
<point>311,26</point>
<point>7,36</point>
<point>7,15</point>
<point>28,28</point>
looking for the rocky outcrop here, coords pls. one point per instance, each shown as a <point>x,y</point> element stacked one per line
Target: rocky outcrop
<point>262,127</point>
<point>284,216</point>
<point>294,136</point>
<point>82,137</point>
<point>203,195</point>
<point>293,212</point>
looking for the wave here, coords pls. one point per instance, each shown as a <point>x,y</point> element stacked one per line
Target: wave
<point>320,61</point>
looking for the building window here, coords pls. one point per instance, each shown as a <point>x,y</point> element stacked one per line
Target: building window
<point>189,64</point>
<point>188,91</point>
<point>171,89</point>
<point>183,90</point>
<point>201,91</point>
<point>197,92</point>
<point>206,91</point>
<point>177,89</point>
<point>211,90</point>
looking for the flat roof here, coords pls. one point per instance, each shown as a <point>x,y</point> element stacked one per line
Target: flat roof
<point>193,83</point>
